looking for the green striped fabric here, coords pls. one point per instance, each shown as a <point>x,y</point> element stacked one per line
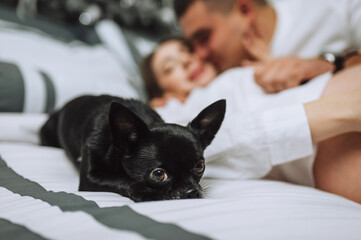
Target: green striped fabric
<point>122,218</point>
<point>9,231</point>
<point>12,88</point>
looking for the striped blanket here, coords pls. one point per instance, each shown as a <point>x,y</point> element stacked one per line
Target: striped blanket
<point>39,200</point>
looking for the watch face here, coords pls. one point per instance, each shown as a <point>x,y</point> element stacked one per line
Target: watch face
<point>329,57</point>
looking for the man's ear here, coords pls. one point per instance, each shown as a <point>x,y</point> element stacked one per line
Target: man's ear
<point>245,6</point>
<point>246,9</point>
<point>126,128</point>
<point>208,122</point>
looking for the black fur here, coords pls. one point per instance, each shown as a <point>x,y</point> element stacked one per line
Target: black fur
<point>124,146</point>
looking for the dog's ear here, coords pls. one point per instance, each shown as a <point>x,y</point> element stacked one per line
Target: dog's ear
<point>208,122</point>
<point>126,128</point>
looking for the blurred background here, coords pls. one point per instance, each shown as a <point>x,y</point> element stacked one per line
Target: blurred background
<point>149,16</point>
<point>63,38</point>
<point>141,21</point>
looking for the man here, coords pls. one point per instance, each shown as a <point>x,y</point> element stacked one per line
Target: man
<point>231,33</point>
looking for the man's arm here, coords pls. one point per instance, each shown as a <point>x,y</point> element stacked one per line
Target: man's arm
<point>288,72</point>
<point>275,75</point>
<point>279,74</point>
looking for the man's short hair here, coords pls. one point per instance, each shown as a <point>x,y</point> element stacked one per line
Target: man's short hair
<point>225,6</point>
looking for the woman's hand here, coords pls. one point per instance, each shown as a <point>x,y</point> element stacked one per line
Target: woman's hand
<point>257,49</point>
<point>158,102</point>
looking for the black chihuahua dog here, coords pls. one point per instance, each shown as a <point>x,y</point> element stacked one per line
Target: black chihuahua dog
<point>124,146</point>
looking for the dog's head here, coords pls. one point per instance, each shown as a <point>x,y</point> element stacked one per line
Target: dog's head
<point>164,161</point>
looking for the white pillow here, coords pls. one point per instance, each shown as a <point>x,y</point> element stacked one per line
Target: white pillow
<point>66,70</point>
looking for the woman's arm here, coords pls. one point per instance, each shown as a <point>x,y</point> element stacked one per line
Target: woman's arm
<point>334,115</point>
<point>339,110</point>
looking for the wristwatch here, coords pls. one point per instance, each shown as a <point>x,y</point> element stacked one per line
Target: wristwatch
<point>337,60</point>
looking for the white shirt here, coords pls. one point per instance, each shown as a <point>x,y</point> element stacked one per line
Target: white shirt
<point>259,130</point>
<point>307,28</point>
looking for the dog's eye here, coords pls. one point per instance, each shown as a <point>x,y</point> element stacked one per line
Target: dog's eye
<point>200,168</point>
<point>159,175</point>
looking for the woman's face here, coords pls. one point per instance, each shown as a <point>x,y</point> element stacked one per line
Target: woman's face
<point>178,71</point>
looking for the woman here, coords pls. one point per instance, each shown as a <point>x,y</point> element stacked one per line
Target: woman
<point>172,71</point>
<point>268,134</point>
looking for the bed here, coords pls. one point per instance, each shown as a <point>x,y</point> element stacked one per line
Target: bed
<point>38,185</point>
<point>39,200</point>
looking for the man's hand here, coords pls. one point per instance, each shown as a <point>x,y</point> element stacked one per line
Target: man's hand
<point>283,73</point>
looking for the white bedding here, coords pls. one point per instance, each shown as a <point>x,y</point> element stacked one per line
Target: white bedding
<point>43,204</point>
<point>72,69</point>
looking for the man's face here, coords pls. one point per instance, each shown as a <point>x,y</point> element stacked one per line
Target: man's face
<point>216,37</point>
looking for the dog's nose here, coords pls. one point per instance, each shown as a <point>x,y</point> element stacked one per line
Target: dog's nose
<point>193,193</point>
<point>189,191</point>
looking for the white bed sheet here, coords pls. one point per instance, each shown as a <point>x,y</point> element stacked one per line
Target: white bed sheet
<point>232,209</point>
